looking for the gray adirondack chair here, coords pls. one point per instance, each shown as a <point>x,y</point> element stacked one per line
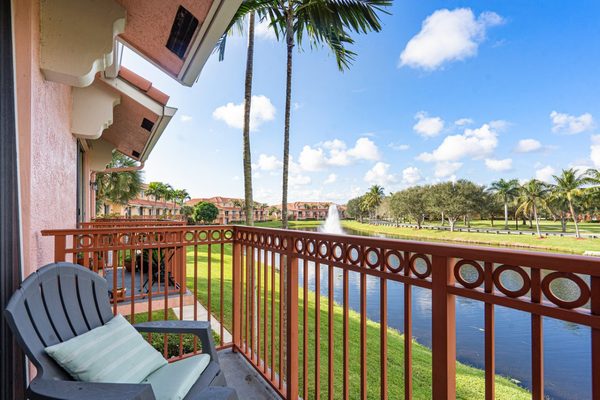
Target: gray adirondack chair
<point>64,300</point>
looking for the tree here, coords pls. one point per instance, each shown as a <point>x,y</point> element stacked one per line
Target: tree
<point>507,190</point>
<point>118,187</point>
<point>354,208</point>
<point>179,197</point>
<point>322,23</point>
<point>205,212</point>
<point>411,203</point>
<point>372,199</point>
<point>237,21</point>
<point>188,212</point>
<point>569,186</point>
<point>156,190</point>
<point>454,199</point>
<point>532,198</point>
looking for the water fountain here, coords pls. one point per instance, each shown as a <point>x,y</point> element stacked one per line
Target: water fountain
<point>332,223</point>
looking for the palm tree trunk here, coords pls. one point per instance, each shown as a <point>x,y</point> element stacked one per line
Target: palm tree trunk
<point>537,221</point>
<point>247,105</point>
<point>574,216</point>
<point>288,103</point>
<point>505,215</point>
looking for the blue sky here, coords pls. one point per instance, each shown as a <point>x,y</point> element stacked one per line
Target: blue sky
<point>470,89</point>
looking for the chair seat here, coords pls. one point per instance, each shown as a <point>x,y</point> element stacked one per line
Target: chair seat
<point>173,381</point>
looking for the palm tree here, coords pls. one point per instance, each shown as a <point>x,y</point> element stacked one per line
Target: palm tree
<point>118,187</point>
<point>372,199</point>
<point>237,22</point>
<point>179,197</point>
<point>507,191</point>
<point>533,196</point>
<point>158,190</point>
<point>322,23</point>
<point>569,185</point>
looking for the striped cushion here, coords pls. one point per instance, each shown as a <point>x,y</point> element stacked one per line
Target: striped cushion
<point>114,352</point>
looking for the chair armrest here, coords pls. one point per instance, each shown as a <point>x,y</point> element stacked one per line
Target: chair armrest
<point>46,389</point>
<point>198,328</point>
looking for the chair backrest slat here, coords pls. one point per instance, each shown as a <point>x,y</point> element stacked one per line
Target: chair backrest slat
<point>58,316</point>
<point>54,304</point>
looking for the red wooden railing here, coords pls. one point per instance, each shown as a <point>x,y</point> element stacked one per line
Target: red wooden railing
<point>248,280</point>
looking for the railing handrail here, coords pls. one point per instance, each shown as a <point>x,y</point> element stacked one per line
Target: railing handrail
<point>579,264</point>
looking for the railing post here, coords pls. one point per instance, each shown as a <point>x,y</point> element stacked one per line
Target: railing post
<point>443,328</point>
<point>60,245</point>
<point>237,293</point>
<point>291,342</point>
<point>595,308</point>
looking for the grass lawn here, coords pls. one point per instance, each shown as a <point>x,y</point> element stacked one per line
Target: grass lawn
<point>545,225</point>
<point>557,244</point>
<point>470,381</point>
<point>291,224</point>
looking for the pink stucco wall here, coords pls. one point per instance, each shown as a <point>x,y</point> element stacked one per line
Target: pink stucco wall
<point>47,149</point>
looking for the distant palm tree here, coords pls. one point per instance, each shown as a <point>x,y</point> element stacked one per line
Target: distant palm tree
<point>179,196</point>
<point>532,199</point>
<point>237,24</point>
<point>372,199</point>
<point>158,190</point>
<point>322,23</point>
<point>569,185</point>
<point>507,191</point>
<point>118,187</point>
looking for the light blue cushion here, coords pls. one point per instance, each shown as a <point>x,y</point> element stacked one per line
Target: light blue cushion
<point>114,352</point>
<point>174,381</point>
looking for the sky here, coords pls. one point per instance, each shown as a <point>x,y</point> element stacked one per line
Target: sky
<point>479,90</point>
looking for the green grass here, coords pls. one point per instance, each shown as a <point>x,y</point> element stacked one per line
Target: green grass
<point>470,381</point>
<point>291,224</point>
<point>545,225</point>
<point>556,244</point>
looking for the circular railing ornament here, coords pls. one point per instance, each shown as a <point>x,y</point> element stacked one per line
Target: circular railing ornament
<point>496,277</point>
<point>390,255</point>
<point>337,251</point>
<point>413,266</point>
<point>458,276</point>
<point>584,290</point>
<point>372,257</point>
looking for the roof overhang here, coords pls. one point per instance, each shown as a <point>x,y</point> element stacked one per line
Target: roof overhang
<point>139,119</point>
<point>149,25</point>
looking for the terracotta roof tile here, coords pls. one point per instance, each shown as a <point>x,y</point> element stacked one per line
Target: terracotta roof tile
<point>144,85</point>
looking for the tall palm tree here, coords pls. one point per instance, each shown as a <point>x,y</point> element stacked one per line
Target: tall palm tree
<point>507,190</point>
<point>236,24</point>
<point>157,190</point>
<point>323,23</point>
<point>569,185</point>
<point>118,187</point>
<point>532,199</point>
<point>179,197</point>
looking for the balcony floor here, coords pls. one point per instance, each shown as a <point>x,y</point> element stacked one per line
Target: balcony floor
<point>243,377</point>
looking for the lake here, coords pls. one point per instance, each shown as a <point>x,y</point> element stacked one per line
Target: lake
<point>567,347</point>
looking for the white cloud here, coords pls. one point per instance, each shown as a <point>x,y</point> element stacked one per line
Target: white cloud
<point>570,124</point>
<point>331,178</point>
<point>544,174</point>
<point>499,125</point>
<point>399,146</point>
<point>185,118</point>
<point>447,36</point>
<point>428,126</point>
<point>595,150</point>
<point>312,159</point>
<point>474,143</point>
<point>528,145</point>
<point>463,121</point>
<point>411,175</point>
<point>335,153</point>
<point>498,165</point>
<point>262,30</point>
<point>267,163</point>
<point>380,175</point>
<point>364,149</point>
<point>445,169</point>
<point>262,110</point>
<point>300,180</point>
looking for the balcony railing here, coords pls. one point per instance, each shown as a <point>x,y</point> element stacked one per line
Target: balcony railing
<point>254,285</point>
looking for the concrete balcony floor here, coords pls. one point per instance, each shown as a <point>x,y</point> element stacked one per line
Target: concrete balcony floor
<point>243,377</point>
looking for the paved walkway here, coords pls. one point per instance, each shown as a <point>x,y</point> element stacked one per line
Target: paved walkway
<point>202,315</point>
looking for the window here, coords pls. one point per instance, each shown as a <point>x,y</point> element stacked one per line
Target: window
<point>147,124</point>
<point>182,31</point>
